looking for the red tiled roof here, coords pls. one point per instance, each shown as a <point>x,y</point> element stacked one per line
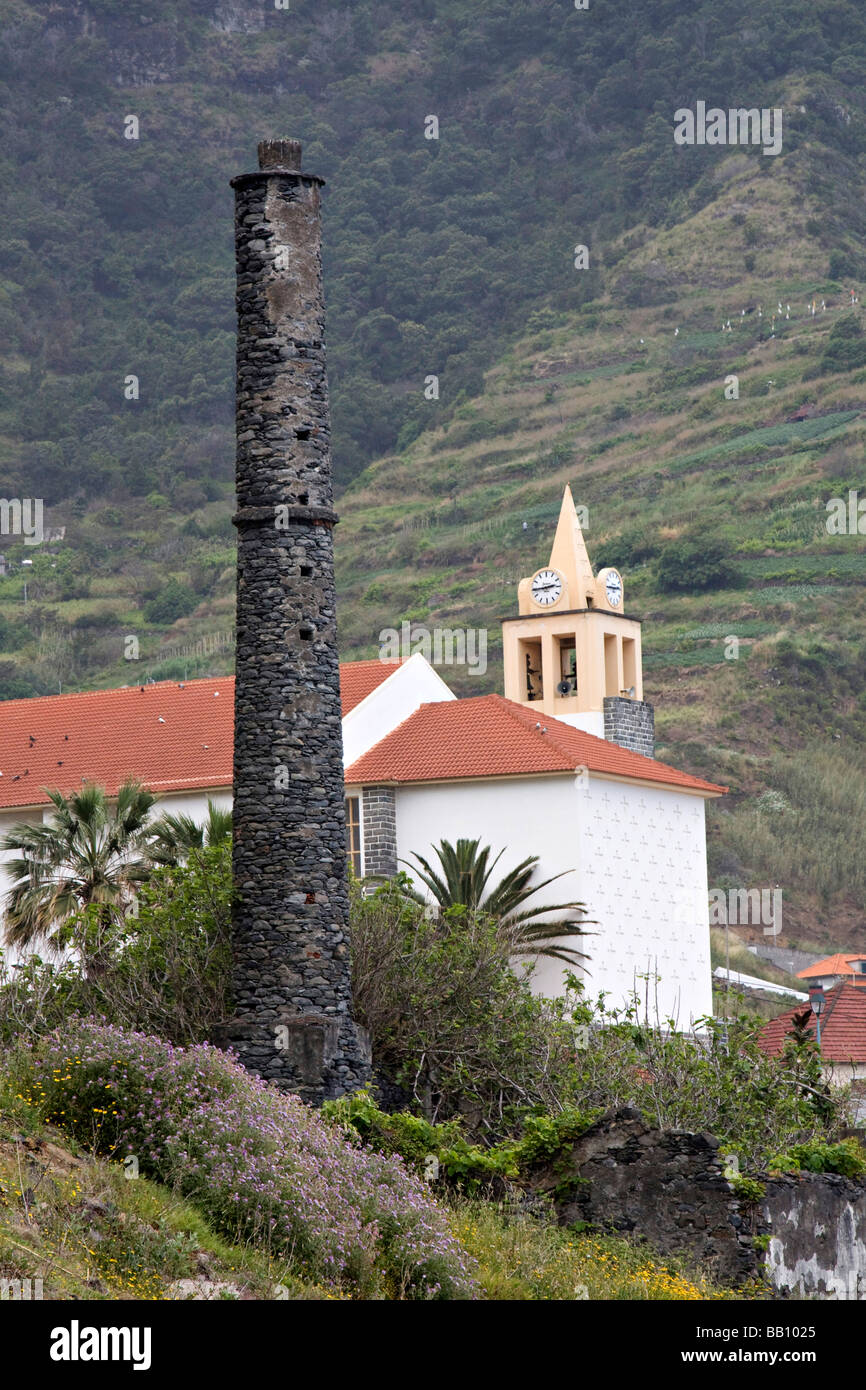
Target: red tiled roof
<point>489,736</point>
<point>843,1026</point>
<point>834,965</point>
<point>176,736</point>
<point>108,735</point>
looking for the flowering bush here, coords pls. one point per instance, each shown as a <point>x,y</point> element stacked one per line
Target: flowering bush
<point>262,1165</point>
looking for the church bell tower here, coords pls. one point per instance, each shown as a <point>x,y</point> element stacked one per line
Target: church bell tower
<point>571,652</point>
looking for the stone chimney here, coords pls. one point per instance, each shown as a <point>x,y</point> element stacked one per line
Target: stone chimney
<point>292,986</point>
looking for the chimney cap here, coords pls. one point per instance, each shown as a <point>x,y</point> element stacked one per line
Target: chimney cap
<point>280,154</point>
<point>277,158</point>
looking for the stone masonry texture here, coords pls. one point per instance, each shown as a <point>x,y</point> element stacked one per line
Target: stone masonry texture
<point>670,1188</point>
<point>292,984</point>
<point>379,821</point>
<point>630,723</point>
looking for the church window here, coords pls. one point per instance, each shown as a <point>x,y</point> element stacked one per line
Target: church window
<point>567,684</point>
<point>353,833</point>
<point>629,665</point>
<point>531,662</point>
<point>611,664</point>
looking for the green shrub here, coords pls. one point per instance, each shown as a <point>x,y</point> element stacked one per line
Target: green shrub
<point>696,563</point>
<point>417,1141</point>
<point>846,346</point>
<point>100,617</point>
<point>451,1022</point>
<point>631,547</point>
<point>842,265</point>
<point>846,1157</point>
<point>748,1189</point>
<point>165,970</point>
<point>173,601</point>
<point>459,1163</point>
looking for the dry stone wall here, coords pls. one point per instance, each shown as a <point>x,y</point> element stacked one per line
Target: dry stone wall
<point>807,1233</point>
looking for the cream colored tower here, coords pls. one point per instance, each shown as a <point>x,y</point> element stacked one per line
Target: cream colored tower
<point>571,647</point>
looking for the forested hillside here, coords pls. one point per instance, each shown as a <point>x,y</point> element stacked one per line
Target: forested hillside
<point>555,126</point>
<point>455,257</point>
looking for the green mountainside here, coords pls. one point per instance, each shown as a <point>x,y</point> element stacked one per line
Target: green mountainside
<point>455,257</point>
<point>713,508</point>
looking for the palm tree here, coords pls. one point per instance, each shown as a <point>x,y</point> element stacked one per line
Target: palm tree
<point>463,878</point>
<point>172,838</point>
<point>89,853</point>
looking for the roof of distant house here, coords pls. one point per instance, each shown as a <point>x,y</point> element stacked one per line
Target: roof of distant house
<point>839,964</point>
<point>843,1026</point>
<point>489,736</point>
<point>171,735</point>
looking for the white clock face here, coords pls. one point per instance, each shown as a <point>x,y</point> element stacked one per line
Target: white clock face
<point>613,588</point>
<point>546,587</point>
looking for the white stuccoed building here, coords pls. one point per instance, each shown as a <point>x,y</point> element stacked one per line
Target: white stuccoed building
<point>558,769</point>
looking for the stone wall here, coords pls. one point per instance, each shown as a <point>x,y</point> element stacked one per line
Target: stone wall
<point>817,1229</point>
<point>667,1187</point>
<point>630,723</point>
<point>785,957</point>
<point>670,1189</point>
<point>379,830</point>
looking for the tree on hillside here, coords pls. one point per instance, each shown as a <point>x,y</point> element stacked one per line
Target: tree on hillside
<point>696,562</point>
<point>173,837</point>
<point>463,880</point>
<point>90,852</point>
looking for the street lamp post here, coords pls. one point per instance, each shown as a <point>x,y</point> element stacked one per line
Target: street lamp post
<point>817,1003</point>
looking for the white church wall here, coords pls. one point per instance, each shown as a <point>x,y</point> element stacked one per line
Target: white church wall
<point>192,803</point>
<point>634,855</point>
<point>413,684</point>
<point>591,722</point>
<point>645,881</point>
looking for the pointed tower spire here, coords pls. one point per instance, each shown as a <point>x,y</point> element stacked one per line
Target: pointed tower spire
<point>569,555</point>
<point>570,651</point>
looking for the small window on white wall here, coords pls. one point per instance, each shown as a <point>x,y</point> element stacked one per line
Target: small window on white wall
<point>353,833</point>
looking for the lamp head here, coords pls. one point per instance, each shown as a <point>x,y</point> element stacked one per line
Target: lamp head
<point>817,999</point>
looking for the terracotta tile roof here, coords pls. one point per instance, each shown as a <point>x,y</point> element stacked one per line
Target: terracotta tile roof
<point>835,965</point>
<point>489,736</point>
<point>843,1026</point>
<point>108,735</point>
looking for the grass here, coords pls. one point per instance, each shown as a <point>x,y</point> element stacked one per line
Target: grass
<point>699,656</point>
<point>769,437</point>
<point>90,1232</point>
<point>526,1258</point>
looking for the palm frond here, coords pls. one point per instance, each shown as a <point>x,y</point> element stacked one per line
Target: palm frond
<point>89,852</point>
<point>462,881</point>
